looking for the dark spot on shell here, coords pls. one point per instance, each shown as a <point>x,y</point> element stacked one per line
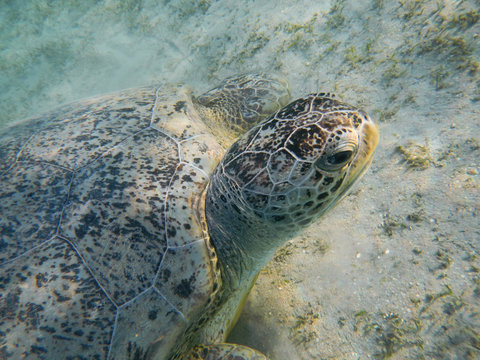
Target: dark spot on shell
<point>152,314</point>
<point>135,351</point>
<point>34,349</point>
<point>48,329</point>
<point>21,277</point>
<point>61,337</point>
<point>119,205</point>
<point>60,297</point>
<point>180,105</point>
<point>166,274</point>
<point>89,220</point>
<point>171,232</point>
<point>126,109</point>
<point>187,178</point>
<point>184,289</point>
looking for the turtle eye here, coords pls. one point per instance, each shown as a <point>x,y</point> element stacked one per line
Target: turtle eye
<point>336,160</point>
<point>340,157</point>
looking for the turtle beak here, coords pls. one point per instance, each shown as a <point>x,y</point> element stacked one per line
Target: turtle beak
<point>369,137</point>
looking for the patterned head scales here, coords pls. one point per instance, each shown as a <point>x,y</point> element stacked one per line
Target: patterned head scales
<point>294,166</point>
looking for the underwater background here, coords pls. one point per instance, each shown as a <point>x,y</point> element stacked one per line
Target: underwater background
<point>394,270</point>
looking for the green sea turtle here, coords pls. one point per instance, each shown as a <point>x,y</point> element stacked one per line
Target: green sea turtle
<point>133,225</point>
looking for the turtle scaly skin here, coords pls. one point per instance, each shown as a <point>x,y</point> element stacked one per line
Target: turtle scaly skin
<point>133,225</point>
<point>276,180</point>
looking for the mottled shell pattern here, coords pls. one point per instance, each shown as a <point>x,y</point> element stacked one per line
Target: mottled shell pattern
<point>102,227</point>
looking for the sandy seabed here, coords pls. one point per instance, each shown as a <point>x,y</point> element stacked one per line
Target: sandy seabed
<point>394,270</point>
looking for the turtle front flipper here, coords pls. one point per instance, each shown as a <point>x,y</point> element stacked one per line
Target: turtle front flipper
<point>224,352</point>
<point>239,103</point>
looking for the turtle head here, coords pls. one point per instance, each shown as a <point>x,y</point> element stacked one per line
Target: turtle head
<point>287,171</point>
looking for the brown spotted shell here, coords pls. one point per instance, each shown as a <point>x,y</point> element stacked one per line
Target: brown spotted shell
<point>103,247</point>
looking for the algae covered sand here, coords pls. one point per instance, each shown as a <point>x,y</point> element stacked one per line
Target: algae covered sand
<point>394,270</point>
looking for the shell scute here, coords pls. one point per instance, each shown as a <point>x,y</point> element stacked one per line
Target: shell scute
<point>54,277</point>
<point>184,219</point>
<point>186,284</point>
<point>202,151</point>
<point>43,190</point>
<point>126,236</point>
<point>149,310</point>
<point>83,131</point>
<point>177,118</point>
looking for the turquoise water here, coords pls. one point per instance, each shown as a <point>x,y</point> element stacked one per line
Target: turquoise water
<point>55,52</point>
<point>393,272</point>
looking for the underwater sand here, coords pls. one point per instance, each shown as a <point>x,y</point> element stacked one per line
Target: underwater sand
<point>394,270</point>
